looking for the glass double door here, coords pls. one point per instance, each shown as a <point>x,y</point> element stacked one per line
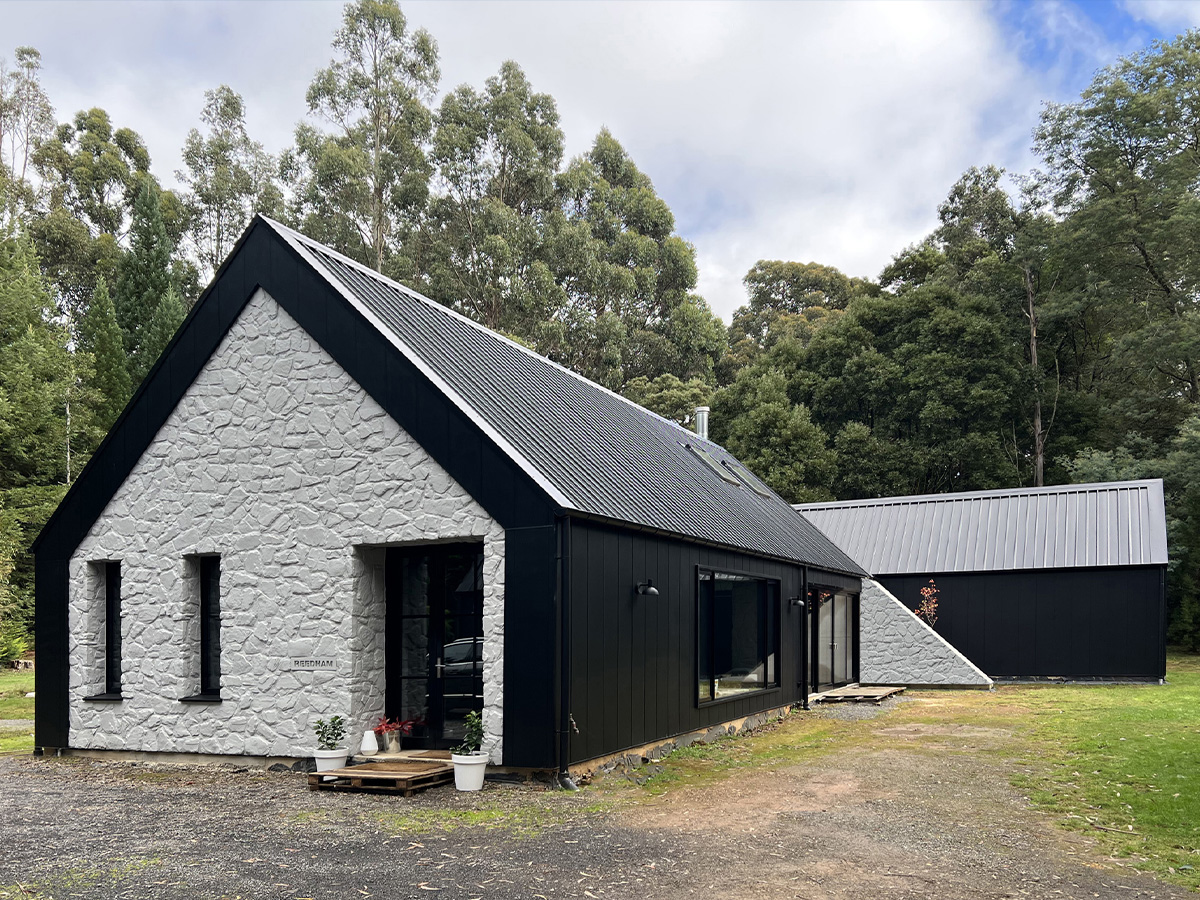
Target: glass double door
<point>835,628</point>
<point>434,640</point>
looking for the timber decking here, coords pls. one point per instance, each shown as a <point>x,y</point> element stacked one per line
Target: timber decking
<point>397,777</point>
<point>855,693</point>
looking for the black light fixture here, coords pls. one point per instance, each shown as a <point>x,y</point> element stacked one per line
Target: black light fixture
<point>647,588</point>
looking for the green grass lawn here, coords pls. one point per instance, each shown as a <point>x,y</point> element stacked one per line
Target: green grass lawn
<point>1124,765</point>
<point>1118,762</point>
<point>14,685</point>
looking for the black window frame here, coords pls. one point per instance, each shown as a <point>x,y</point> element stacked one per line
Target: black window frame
<point>112,628</point>
<point>207,569</point>
<point>110,570</point>
<point>774,647</point>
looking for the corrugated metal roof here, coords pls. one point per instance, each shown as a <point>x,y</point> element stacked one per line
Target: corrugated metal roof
<point>594,451</point>
<point>1120,523</point>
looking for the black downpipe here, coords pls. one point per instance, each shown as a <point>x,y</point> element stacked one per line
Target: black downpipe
<point>564,652</point>
<point>804,637</point>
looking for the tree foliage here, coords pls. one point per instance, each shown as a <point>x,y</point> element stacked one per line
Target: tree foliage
<point>363,189</point>
<point>227,178</point>
<point>101,337</point>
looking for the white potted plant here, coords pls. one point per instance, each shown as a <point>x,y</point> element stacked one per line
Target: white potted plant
<point>331,753</point>
<point>470,762</point>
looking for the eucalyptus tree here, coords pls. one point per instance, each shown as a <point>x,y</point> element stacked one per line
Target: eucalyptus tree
<point>227,178</point>
<point>629,279</point>
<point>26,118</point>
<point>364,187</point>
<point>497,152</point>
<point>1124,170</point>
<point>94,171</point>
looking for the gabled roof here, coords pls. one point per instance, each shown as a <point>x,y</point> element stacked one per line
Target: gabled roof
<point>1119,523</point>
<point>591,450</point>
<point>524,435</point>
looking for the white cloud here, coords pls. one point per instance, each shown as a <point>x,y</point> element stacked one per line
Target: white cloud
<point>1167,13</point>
<point>810,131</point>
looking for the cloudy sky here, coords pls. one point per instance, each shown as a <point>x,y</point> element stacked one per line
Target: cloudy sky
<point>823,132</point>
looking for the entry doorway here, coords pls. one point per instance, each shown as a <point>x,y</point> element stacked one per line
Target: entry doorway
<point>434,640</point>
<point>834,629</point>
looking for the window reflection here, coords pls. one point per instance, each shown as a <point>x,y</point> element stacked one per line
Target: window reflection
<point>737,635</point>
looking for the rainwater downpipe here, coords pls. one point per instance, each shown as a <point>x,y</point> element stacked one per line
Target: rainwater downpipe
<point>564,654</point>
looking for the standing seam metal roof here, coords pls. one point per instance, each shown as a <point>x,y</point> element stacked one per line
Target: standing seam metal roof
<point>601,453</point>
<point>1119,523</point>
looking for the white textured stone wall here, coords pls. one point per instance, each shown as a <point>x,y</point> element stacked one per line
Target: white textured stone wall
<point>281,463</point>
<point>897,647</point>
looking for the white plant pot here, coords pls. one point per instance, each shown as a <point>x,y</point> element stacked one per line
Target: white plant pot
<point>369,745</point>
<point>469,770</point>
<point>328,760</point>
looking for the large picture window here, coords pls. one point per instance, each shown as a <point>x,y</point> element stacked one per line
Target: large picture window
<point>737,635</point>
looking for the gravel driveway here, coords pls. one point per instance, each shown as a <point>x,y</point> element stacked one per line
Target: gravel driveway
<point>896,823</point>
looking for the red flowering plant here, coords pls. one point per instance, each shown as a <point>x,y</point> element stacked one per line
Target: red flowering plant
<point>927,608</point>
<point>404,727</point>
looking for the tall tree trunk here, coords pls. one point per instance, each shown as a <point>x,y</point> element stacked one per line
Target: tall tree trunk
<point>1039,433</point>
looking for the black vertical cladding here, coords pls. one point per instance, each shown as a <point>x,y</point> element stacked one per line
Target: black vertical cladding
<point>633,656</point>
<point>531,576</point>
<point>1082,623</point>
<point>639,675</point>
<point>50,644</point>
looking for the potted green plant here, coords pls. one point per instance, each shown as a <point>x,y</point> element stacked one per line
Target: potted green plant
<point>470,761</point>
<point>331,753</point>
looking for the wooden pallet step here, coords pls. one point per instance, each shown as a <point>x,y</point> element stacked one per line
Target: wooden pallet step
<point>398,777</point>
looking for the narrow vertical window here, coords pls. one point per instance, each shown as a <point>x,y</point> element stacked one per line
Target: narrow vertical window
<point>112,628</point>
<point>210,626</point>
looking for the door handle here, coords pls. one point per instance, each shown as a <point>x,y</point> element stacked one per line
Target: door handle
<point>439,666</point>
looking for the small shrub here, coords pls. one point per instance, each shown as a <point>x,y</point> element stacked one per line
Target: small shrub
<point>473,736</point>
<point>331,733</point>
<point>927,608</point>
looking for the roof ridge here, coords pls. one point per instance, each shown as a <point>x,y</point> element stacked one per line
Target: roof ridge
<point>442,308</point>
<point>961,496</point>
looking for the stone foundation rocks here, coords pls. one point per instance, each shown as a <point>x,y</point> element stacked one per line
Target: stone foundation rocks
<point>640,766</point>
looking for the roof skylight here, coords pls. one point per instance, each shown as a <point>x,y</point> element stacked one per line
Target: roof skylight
<point>711,461</point>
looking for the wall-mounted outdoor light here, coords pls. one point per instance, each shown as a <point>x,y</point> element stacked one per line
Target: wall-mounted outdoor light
<point>647,589</point>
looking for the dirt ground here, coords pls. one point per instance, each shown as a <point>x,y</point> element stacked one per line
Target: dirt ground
<point>929,813</point>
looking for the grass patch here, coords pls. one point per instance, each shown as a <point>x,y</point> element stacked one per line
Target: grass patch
<point>16,740</point>
<point>14,685</point>
<point>68,882</point>
<point>1124,766</point>
<point>1119,762</point>
<point>520,817</point>
<point>791,741</point>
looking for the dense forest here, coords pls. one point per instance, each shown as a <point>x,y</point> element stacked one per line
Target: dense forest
<point>1046,331</point>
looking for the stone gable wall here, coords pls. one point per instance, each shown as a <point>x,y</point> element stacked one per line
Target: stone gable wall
<point>897,647</point>
<point>280,462</point>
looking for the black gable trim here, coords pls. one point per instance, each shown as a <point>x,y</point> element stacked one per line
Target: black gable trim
<point>261,259</point>
<point>420,407</point>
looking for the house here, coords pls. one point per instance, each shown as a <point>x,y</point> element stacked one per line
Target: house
<point>1052,582</point>
<point>334,496</point>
